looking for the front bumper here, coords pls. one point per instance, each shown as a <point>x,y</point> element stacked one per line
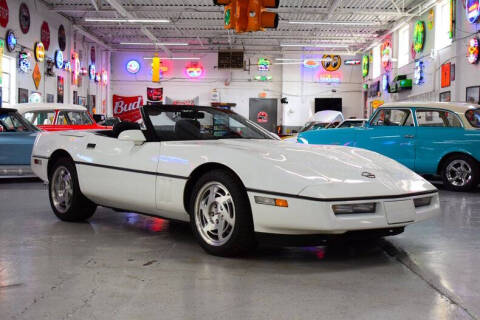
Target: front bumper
<point>311,217</point>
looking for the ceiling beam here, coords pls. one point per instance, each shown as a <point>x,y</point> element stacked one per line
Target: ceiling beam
<point>90,36</point>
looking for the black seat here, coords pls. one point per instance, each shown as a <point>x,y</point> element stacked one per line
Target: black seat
<point>123,126</point>
<point>187,130</point>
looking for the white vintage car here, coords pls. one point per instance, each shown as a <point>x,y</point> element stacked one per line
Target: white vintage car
<point>235,182</point>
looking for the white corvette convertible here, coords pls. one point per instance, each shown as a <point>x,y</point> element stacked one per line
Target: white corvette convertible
<point>233,181</point>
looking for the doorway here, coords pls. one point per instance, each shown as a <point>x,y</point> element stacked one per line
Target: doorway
<point>328,104</point>
<point>264,113</point>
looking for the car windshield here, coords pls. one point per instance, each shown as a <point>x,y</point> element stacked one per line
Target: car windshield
<point>473,116</point>
<point>314,126</point>
<point>73,118</point>
<point>176,123</point>
<point>351,124</point>
<point>13,122</point>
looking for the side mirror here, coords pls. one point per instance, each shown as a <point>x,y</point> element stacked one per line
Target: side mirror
<point>135,136</point>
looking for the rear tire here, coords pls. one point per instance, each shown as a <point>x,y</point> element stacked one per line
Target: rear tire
<point>67,201</point>
<point>220,215</point>
<point>460,173</point>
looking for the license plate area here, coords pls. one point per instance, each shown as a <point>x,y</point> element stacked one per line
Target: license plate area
<point>399,211</point>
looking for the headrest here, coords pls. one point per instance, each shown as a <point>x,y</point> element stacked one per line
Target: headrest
<point>187,130</point>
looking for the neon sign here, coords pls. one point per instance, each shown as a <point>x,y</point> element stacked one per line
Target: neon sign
<point>133,66</point>
<point>385,84</point>
<point>329,77</point>
<point>365,65</point>
<point>419,36</point>
<point>76,68</point>
<point>24,61</point>
<point>353,62</point>
<point>472,53</point>
<point>91,72</point>
<point>58,59</point>
<point>104,77</point>
<point>263,78</point>
<point>473,10</point>
<point>263,64</point>
<point>194,70</point>
<point>67,66</point>
<point>97,77</point>
<point>386,50</point>
<point>311,64</point>
<point>11,40</point>
<point>419,72</point>
<point>39,51</point>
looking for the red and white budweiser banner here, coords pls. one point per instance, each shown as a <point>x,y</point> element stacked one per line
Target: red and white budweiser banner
<point>127,108</point>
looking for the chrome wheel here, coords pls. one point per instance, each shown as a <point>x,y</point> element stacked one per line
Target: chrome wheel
<point>459,173</point>
<point>214,213</point>
<point>62,189</point>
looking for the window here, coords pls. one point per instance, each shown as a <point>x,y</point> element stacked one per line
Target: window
<point>393,118</point>
<point>201,124</point>
<point>403,46</point>
<point>10,122</point>
<point>376,68</point>
<point>442,25</point>
<point>73,118</point>
<point>39,118</point>
<point>437,118</point>
<point>473,116</point>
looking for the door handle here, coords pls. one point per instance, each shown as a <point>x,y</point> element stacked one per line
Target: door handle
<point>409,136</point>
<point>91,146</point>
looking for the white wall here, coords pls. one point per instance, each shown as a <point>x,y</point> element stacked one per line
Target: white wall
<point>237,86</point>
<point>48,85</point>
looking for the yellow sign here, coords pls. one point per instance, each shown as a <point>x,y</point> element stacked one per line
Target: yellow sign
<point>377,103</point>
<point>37,75</point>
<point>156,69</point>
<point>331,62</point>
<point>39,51</point>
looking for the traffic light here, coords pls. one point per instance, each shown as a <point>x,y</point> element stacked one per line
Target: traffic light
<point>249,15</point>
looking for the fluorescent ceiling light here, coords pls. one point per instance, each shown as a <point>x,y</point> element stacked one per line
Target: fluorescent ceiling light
<point>315,45</point>
<point>337,23</point>
<point>127,20</point>
<point>155,43</point>
<point>179,58</point>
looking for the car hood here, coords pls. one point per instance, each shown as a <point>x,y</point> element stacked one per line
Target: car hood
<point>325,171</point>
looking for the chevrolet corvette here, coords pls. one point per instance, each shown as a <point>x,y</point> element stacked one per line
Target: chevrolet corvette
<point>235,182</point>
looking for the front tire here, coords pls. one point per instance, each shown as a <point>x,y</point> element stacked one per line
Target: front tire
<point>220,215</point>
<point>67,201</point>
<point>460,173</point>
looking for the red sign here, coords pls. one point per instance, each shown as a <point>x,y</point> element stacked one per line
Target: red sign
<point>155,94</point>
<point>262,117</point>
<point>127,108</point>
<point>45,35</point>
<point>446,75</point>
<point>3,13</point>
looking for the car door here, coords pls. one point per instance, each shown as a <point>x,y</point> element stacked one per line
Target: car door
<point>439,131</point>
<point>16,141</point>
<point>391,132</point>
<point>118,173</point>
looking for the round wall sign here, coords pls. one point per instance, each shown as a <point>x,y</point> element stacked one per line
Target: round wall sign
<point>3,13</point>
<point>62,38</point>
<point>133,66</point>
<point>331,62</point>
<point>386,50</point>
<point>472,54</point>
<point>59,59</point>
<point>45,35</point>
<point>91,72</point>
<point>39,51</point>
<point>473,10</point>
<point>194,70</point>
<point>24,18</point>
<point>365,65</point>
<point>419,36</point>
<point>11,40</point>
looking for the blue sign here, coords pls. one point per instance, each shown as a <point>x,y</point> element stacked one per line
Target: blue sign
<point>59,59</point>
<point>419,73</point>
<point>11,41</point>
<point>133,66</point>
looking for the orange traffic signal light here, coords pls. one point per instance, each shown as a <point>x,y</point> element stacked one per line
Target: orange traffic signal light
<point>249,15</point>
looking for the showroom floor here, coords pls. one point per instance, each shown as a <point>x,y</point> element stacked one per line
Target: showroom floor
<point>127,266</point>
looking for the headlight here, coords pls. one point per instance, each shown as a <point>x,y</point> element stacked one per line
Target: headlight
<point>354,208</point>
<point>302,140</point>
<point>422,202</point>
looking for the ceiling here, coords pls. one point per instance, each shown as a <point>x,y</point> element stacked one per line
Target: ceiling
<point>200,24</point>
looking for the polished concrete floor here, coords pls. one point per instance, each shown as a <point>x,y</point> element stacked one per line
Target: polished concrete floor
<point>127,266</point>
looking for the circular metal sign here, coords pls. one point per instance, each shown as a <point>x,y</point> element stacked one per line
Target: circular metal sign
<point>472,54</point>
<point>11,40</point>
<point>62,38</point>
<point>39,51</point>
<point>45,35</point>
<point>419,36</point>
<point>3,13</point>
<point>24,18</point>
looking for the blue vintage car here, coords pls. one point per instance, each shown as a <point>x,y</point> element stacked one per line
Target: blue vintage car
<point>17,136</point>
<point>430,138</point>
